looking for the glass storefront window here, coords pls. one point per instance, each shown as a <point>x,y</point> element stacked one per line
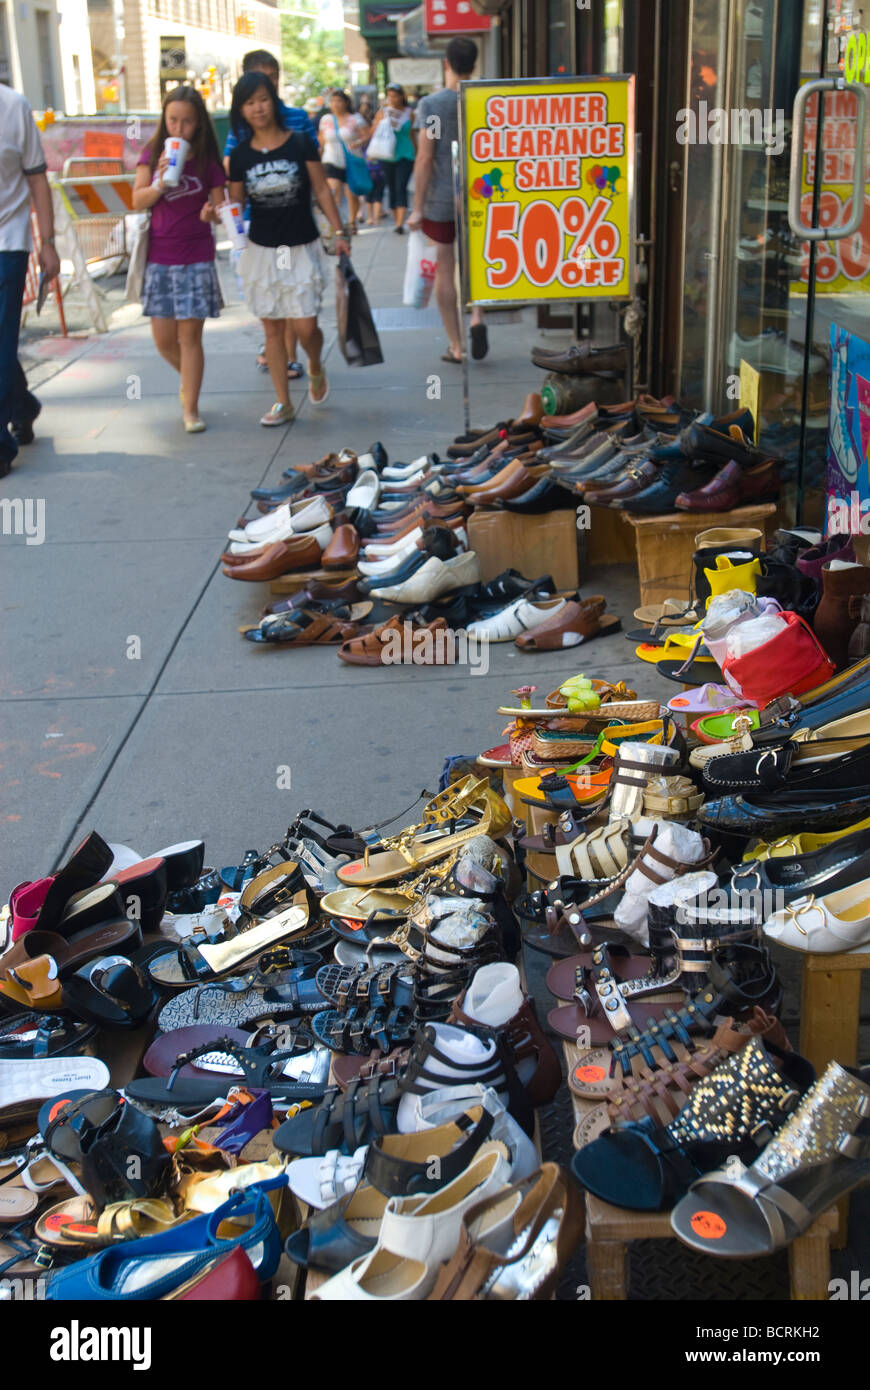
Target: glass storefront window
<point>559,56</point>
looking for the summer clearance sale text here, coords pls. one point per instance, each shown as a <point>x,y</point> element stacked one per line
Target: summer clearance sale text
<point>547,189</point>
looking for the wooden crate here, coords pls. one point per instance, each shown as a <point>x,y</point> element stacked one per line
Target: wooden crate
<point>666,544</point>
<point>534,545</point>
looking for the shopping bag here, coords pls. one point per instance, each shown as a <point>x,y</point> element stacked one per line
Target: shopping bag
<point>383,143</point>
<point>791,662</point>
<point>139,228</point>
<point>357,335</point>
<point>419,271</point>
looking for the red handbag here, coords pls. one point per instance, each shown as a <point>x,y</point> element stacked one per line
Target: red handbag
<point>790,663</point>
<point>229,1279</point>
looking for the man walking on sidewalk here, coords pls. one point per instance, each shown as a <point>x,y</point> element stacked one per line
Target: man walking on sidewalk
<point>22,178</point>
<point>437,120</point>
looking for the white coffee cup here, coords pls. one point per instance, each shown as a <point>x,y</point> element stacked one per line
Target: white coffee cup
<point>234,225</point>
<point>176,151</point>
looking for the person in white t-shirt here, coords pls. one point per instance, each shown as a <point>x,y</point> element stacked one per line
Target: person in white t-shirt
<point>22,180</point>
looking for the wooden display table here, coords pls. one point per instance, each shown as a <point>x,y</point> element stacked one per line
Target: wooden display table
<point>609,1231</point>
<point>666,544</point>
<point>830,1000</point>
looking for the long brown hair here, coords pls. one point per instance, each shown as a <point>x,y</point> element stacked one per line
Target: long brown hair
<point>203,146</point>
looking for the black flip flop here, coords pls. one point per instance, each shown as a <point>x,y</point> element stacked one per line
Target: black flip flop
<point>263,1071</point>
<point>479,341</point>
<point>693,673</point>
<point>295,371</point>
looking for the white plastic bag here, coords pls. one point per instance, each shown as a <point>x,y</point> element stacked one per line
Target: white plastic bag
<point>745,637</point>
<point>383,143</point>
<point>419,271</point>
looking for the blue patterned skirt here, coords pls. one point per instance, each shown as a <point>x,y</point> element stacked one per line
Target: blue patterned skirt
<point>182,291</point>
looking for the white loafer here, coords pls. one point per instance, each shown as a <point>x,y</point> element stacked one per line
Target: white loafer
<point>400,474</point>
<point>298,516</point>
<point>520,616</point>
<point>365,491</point>
<point>837,923</point>
<point>434,578</point>
<point>378,550</point>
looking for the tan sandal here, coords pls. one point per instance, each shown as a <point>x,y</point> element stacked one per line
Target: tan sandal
<point>76,1222</point>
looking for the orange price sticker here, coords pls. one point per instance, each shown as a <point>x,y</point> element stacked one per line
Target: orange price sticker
<point>708,1225</point>
<point>589,1075</point>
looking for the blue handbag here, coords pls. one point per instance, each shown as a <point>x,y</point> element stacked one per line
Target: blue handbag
<point>359,180</point>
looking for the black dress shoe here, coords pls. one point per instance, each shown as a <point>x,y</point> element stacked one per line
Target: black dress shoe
<point>781,766</point>
<point>276,495</point>
<point>581,359</point>
<point>827,794</point>
<point>673,477</point>
<point>825,870</point>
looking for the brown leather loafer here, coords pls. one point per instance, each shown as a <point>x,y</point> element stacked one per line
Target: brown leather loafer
<point>731,487</point>
<point>299,553</point>
<point>343,549</point>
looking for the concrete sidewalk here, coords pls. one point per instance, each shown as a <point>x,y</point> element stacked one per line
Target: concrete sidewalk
<point>130,702</point>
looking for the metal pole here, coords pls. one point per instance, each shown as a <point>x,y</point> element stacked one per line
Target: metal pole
<point>811,274</point>
<point>712,344</point>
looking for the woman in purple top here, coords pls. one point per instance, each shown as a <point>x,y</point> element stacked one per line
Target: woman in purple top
<point>181,288</point>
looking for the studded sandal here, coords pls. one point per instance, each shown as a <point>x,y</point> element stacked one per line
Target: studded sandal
<point>819,1155</point>
<point>730,1113</point>
<point>359,1031</point>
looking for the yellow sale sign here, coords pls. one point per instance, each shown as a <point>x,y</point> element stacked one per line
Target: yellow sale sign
<point>546,189</point>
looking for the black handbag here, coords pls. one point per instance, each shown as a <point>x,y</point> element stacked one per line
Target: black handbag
<point>357,335</point>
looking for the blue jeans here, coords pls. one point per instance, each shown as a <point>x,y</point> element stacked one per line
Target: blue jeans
<point>16,403</point>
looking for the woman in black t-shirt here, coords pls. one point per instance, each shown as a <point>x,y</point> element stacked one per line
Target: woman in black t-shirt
<point>282,267</point>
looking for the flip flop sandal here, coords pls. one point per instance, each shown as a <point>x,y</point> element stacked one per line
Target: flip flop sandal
<point>564,793</point>
<point>216,961</point>
<point>457,361</point>
<point>645,1167</point>
<point>343,1120</point>
<point>672,611</point>
<point>676,645</point>
<point>24,1085</point>
<point>716,728</point>
<point>373,904</point>
<point>112,993</point>
<point>295,371</point>
<point>575,922</point>
<point>361,1030</point>
<point>43,1035</point>
<point>369,987</point>
<point>694,672</point>
<point>161,1056</point>
<point>101,1133</point>
<point>606,983</point>
<point>76,1222</point>
<point>821,1153</point>
<point>707,699</point>
<point>408,852</point>
<point>243,999</point>
<point>261,1072</point>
